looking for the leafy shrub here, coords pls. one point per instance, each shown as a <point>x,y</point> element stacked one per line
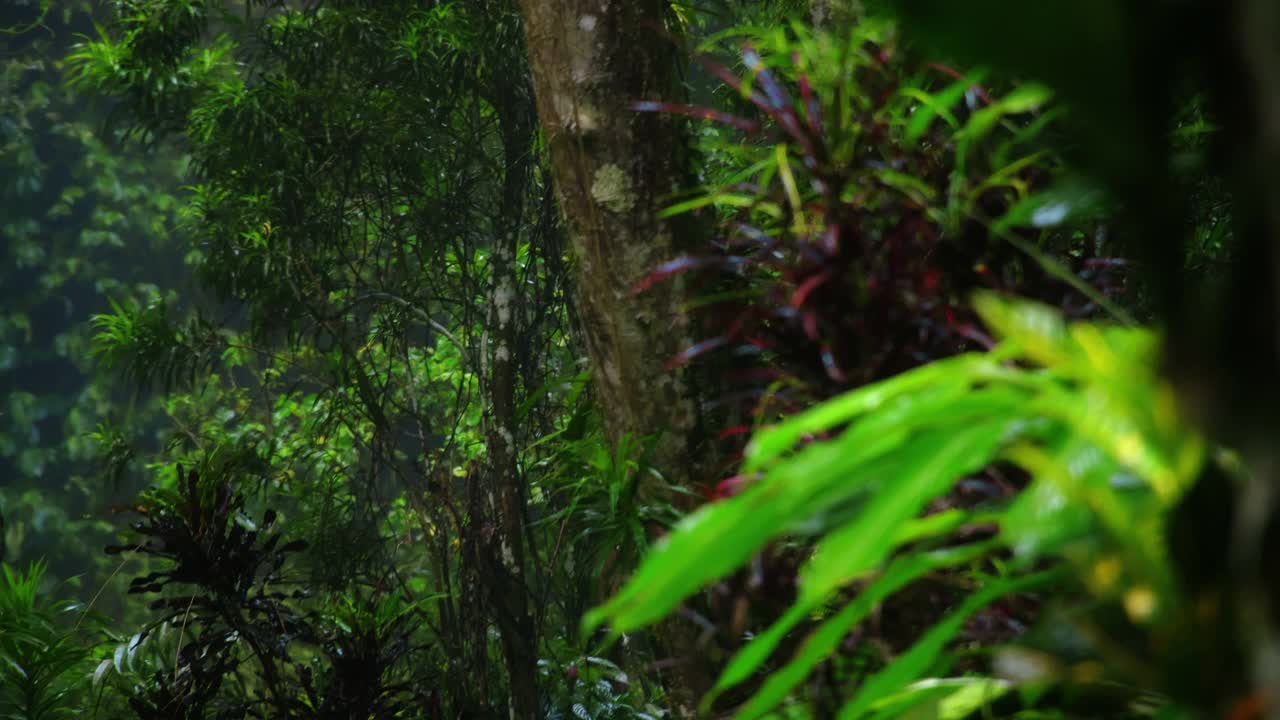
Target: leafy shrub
<point>592,688</point>
<point>45,659</point>
<point>221,582</point>
<point>1075,405</point>
<point>862,195</point>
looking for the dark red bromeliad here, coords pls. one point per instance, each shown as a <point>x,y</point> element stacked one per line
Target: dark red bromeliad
<point>845,264</point>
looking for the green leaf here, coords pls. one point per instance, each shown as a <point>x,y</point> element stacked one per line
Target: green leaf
<point>943,698</point>
<point>1042,520</point>
<point>1037,329</point>
<point>916,661</point>
<point>930,465</point>
<point>1072,201</point>
<point>718,538</point>
<point>827,637</point>
<point>909,185</point>
<point>938,105</point>
<point>718,198</point>
<point>1027,97</point>
<point>770,443</point>
<point>704,546</point>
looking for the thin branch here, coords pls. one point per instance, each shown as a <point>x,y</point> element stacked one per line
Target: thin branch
<point>425,318</point>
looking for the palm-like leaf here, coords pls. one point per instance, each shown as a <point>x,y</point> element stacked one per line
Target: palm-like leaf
<point>1077,405</point>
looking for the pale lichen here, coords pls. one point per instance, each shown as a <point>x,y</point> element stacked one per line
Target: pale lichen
<point>572,113</point>
<point>503,297</point>
<point>508,557</point>
<point>612,189</point>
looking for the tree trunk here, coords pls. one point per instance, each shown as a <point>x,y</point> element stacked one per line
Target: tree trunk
<point>613,169</point>
<point>1258,226</point>
<point>500,504</point>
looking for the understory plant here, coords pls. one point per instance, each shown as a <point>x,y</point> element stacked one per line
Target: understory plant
<point>225,605</point>
<point>1077,406</point>
<point>860,193</point>
<point>45,649</point>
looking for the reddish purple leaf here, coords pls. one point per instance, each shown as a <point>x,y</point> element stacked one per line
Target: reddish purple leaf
<point>801,294</point>
<point>735,430</point>
<point>696,350</point>
<point>829,364</point>
<point>813,111</point>
<point>702,113</point>
<point>730,486</point>
<point>679,266</point>
<point>811,325</point>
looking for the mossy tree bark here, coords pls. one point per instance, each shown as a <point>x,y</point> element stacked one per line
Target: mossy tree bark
<point>614,168</point>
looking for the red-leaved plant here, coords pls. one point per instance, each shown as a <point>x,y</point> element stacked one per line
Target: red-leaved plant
<point>870,193</point>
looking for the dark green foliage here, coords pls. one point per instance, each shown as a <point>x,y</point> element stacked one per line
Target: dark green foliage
<point>84,218</point>
<point>227,585</point>
<point>1149,73</point>
<point>201,529</point>
<point>142,344</point>
<point>223,585</point>
<point>358,167</point>
<point>591,688</point>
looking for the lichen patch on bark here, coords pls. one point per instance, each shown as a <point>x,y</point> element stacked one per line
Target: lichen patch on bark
<point>612,189</point>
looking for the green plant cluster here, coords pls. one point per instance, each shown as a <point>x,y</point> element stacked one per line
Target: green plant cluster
<point>1077,406</point>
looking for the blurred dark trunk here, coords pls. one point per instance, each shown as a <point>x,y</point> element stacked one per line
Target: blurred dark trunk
<point>1257,294</point>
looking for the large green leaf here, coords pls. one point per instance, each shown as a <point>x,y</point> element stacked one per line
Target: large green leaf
<point>718,538</point>
<point>932,106</point>
<point>827,637</point>
<point>942,699</point>
<point>916,661</point>
<point>770,443</point>
<point>929,466</point>
<point>1081,409</point>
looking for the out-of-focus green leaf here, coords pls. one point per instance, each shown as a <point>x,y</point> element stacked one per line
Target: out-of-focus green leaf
<point>931,463</point>
<point>938,105</point>
<point>824,640</point>
<point>942,699</point>
<point>910,665</point>
<point>770,443</point>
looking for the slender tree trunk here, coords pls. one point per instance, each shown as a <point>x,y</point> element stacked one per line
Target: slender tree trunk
<point>613,170</point>
<point>500,507</point>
